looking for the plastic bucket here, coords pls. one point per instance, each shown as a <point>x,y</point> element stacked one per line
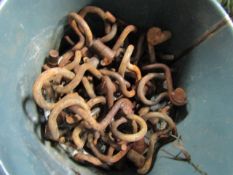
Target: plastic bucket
<point>202,43</point>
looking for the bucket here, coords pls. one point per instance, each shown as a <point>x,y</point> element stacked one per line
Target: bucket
<point>202,43</point>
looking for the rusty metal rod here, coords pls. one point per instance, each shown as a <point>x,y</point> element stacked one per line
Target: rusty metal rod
<point>140,91</point>
<point>177,96</point>
<point>130,137</point>
<point>45,77</point>
<point>105,158</point>
<point>80,71</point>
<point>121,81</point>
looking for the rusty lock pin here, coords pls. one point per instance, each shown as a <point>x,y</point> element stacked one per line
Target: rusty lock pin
<point>154,37</point>
<point>103,50</point>
<point>177,96</point>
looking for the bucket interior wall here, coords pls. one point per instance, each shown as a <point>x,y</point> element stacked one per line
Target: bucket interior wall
<point>29,29</point>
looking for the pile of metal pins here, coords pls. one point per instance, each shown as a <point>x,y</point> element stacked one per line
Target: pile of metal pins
<point>101,104</point>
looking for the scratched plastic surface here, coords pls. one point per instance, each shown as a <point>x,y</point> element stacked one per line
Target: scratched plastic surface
<point>28,29</point>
